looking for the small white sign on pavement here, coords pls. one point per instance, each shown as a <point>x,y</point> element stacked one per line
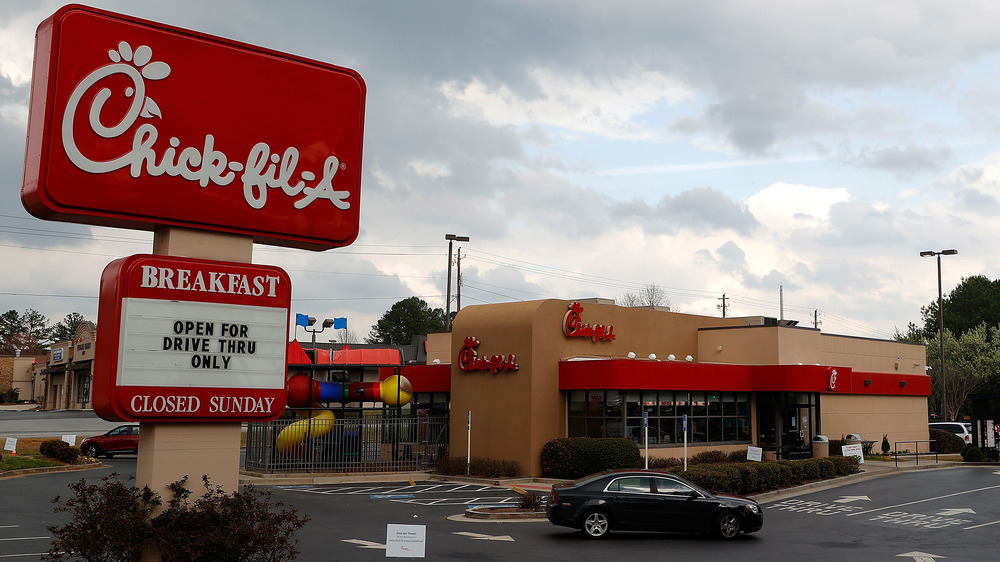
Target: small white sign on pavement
<point>70,440</point>
<point>11,445</point>
<point>754,453</point>
<point>854,451</point>
<point>405,541</point>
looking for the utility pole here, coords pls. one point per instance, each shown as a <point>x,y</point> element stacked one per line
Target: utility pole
<point>816,321</point>
<point>458,285</point>
<point>722,307</point>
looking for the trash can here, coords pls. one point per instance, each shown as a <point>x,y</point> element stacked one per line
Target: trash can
<point>852,439</point>
<point>821,447</point>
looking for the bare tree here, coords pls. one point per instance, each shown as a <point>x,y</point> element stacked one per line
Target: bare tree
<point>346,335</point>
<point>649,295</point>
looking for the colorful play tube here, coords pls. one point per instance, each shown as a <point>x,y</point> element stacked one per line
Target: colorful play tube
<point>394,391</point>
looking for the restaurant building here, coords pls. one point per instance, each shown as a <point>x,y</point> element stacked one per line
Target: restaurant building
<point>524,373</point>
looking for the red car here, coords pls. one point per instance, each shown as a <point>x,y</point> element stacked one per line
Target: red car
<point>122,439</point>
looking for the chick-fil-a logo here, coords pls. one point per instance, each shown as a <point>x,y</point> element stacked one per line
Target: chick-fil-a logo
<point>469,360</point>
<point>573,326</point>
<point>261,171</point>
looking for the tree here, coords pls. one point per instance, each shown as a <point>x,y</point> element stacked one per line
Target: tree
<point>649,295</point>
<point>66,328</point>
<point>407,318</point>
<point>972,360</point>
<point>23,332</point>
<point>973,301</point>
<point>346,335</point>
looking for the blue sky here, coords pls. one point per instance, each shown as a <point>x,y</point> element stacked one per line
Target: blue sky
<point>809,150</point>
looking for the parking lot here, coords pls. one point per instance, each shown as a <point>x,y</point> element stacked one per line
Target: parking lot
<point>945,514</point>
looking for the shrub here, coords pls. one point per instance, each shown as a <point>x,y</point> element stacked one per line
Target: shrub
<point>946,442</point>
<point>111,522</point>
<point>845,465</point>
<point>59,450</point>
<point>707,457</point>
<point>108,521</point>
<point>243,526</point>
<point>886,447</point>
<point>993,455</point>
<point>529,500</point>
<point>971,453</point>
<point>573,457</point>
<point>479,466</point>
<point>664,463</point>
<point>736,456</point>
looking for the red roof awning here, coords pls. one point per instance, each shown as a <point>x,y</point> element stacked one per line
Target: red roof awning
<point>345,357</point>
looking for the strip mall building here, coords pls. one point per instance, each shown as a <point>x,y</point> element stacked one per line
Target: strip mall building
<point>532,371</point>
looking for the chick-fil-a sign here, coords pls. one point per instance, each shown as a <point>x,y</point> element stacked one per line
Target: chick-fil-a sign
<point>573,326</point>
<point>141,125</point>
<point>469,359</point>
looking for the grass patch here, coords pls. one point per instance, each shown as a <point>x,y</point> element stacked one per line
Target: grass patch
<point>11,462</point>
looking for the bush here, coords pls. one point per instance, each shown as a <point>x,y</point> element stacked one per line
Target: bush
<point>707,457</point>
<point>529,500</point>
<point>243,526</point>
<point>108,521</point>
<point>993,455</point>
<point>111,522</point>
<point>573,457</point>
<point>59,450</point>
<point>664,463</point>
<point>971,453</point>
<point>946,442</point>
<point>479,466</point>
<point>886,447</point>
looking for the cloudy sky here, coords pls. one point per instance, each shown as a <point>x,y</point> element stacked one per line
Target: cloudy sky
<point>588,148</point>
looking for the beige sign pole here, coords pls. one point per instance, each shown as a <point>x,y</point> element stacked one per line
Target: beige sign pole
<point>170,451</point>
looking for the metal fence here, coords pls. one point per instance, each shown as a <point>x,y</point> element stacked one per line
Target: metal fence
<point>370,443</point>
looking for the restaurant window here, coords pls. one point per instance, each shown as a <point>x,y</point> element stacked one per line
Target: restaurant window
<point>713,416</point>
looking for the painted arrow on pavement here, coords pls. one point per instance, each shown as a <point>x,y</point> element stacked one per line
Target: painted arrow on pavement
<point>480,537</point>
<point>920,556</point>
<point>849,499</point>
<point>955,511</point>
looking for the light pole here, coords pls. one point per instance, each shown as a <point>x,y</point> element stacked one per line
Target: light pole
<point>451,238</point>
<point>944,381</point>
<point>312,366</point>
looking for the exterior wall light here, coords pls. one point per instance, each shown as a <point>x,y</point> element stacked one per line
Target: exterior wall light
<point>652,357</point>
<point>671,357</point>
<point>631,355</point>
<point>689,359</point>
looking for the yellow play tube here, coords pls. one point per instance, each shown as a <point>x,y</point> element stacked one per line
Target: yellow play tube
<point>291,441</point>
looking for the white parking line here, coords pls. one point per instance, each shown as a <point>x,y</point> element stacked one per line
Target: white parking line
<point>981,525</point>
<point>922,501</point>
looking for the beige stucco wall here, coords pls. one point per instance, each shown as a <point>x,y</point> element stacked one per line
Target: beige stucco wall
<point>879,356</point>
<point>903,418</point>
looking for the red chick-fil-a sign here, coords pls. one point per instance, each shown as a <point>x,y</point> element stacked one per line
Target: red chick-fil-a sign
<point>469,360</point>
<point>137,124</point>
<point>191,340</point>
<point>573,326</point>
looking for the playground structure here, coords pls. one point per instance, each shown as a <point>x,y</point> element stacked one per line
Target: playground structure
<point>305,392</point>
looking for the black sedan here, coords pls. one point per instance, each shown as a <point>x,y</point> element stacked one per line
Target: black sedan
<point>642,500</point>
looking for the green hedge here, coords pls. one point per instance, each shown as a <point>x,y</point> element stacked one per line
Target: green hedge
<point>59,449</point>
<point>573,457</point>
<point>946,442</point>
<point>479,466</point>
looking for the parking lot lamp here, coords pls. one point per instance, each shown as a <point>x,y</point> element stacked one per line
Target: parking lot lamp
<point>944,383</point>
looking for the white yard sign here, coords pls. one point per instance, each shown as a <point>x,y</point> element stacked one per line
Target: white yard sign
<point>405,541</point>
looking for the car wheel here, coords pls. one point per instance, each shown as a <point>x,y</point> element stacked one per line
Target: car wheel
<point>92,451</point>
<point>726,526</point>
<point>596,524</point>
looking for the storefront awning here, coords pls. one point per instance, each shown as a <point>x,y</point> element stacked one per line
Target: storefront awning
<point>640,374</point>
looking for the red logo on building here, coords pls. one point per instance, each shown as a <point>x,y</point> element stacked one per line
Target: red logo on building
<point>573,326</point>
<point>137,124</point>
<point>469,360</point>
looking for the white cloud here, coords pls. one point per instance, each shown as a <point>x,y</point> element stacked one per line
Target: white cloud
<point>609,106</point>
